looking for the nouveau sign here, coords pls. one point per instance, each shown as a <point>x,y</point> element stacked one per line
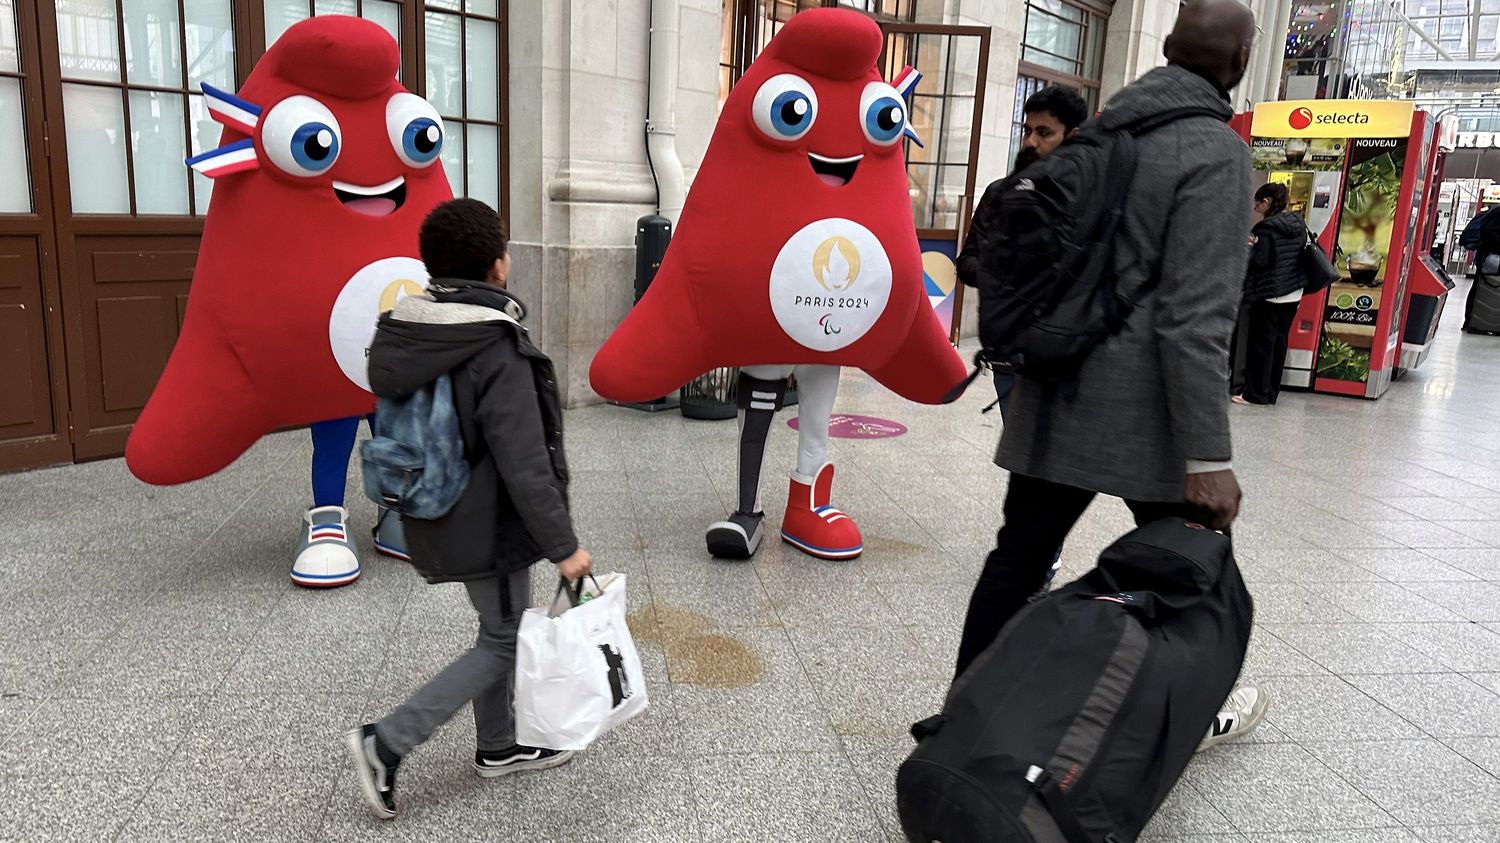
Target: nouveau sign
<point>1333,119</point>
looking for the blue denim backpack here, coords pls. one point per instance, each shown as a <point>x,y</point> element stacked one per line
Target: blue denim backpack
<point>414,463</point>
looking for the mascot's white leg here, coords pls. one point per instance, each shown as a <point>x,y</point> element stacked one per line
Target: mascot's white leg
<point>762,391</point>
<point>811,523</point>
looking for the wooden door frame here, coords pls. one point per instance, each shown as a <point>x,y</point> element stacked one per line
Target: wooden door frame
<point>40,223</point>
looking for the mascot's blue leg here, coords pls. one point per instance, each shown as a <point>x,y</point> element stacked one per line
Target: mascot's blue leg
<point>326,557</point>
<point>390,539</point>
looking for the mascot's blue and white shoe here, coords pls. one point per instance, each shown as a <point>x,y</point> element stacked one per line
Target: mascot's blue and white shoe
<point>390,538</point>
<point>326,557</point>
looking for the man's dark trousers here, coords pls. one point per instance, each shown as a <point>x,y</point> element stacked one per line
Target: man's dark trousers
<point>1038,516</point>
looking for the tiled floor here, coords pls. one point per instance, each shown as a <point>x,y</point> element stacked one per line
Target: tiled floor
<point>160,679</point>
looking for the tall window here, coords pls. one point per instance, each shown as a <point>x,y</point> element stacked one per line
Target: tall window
<point>465,81</point>
<point>281,14</point>
<point>130,122</point>
<point>15,181</point>
<point>749,25</point>
<point>1064,44</point>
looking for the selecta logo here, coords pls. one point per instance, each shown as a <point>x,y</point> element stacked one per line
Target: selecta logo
<point>1301,118</point>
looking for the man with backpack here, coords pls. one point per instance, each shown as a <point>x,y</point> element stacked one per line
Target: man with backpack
<point>465,335</point>
<point>1119,324</point>
<point>1052,115</point>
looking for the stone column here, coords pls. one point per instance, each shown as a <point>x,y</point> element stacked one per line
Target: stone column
<point>579,177</point>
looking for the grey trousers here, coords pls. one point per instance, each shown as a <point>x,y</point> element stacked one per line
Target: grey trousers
<point>485,675</point>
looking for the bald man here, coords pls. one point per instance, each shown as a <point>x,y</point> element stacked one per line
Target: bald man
<point>1148,421</point>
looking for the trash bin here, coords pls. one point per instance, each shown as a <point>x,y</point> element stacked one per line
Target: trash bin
<point>713,396</point>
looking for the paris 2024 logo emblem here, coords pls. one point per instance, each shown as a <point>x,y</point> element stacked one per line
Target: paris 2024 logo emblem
<point>830,284</point>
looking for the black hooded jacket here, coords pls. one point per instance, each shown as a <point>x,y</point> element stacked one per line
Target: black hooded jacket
<point>515,509</point>
<point>1276,258</point>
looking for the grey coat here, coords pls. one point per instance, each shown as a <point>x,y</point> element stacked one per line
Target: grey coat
<point>1156,394</point>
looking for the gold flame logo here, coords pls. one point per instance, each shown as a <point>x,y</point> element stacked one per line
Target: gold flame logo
<point>836,264</point>
<point>396,291</point>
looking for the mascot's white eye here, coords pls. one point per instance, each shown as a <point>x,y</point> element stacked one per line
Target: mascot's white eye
<point>882,113</point>
<point>301,136</point>
<point>785,107</point>
<point>415,129</point>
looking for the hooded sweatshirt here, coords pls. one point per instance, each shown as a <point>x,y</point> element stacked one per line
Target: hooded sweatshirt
<point>515,509</point>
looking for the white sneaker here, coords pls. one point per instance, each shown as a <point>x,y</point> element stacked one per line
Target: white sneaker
<point>1242,712</point>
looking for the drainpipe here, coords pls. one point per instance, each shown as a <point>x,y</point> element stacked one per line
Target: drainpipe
<point>661,110</point>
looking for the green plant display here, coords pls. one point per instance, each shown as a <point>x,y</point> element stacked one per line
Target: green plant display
<point>1370,202</point>
<point>1341,361</point>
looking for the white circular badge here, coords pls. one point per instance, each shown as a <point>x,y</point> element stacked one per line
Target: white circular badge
<point>830,284</point>
<point>372,291</point>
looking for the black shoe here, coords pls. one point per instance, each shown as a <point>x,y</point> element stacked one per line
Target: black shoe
<point>376,767</point>
<point>737,538</point>
<point>491,765</point>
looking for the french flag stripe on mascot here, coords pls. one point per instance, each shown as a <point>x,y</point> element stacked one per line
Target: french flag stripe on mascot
<point>796,254</point>
<point>325,170</point>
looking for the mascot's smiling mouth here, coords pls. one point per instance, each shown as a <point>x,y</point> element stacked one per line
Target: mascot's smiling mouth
<point>375,201</point>
<point>835,172</point>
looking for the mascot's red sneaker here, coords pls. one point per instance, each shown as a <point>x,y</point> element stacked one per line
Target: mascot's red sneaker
<point>812,525</point>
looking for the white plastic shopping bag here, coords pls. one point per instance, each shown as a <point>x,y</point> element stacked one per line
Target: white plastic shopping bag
<point>577,673</point>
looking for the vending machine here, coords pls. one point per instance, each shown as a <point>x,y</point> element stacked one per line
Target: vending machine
<point>1359,171</point>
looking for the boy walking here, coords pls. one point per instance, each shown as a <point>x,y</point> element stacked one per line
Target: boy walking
<point>515,508</point>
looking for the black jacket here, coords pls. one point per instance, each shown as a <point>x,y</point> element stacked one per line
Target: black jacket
<point>515,509</point>
<point>981,229</point>
<point>1276,258</point>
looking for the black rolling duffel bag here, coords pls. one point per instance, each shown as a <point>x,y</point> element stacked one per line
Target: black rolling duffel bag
<point>1077,722</point>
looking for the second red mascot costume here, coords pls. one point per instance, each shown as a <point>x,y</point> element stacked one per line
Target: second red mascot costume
<point>326,168</point>
<point>796,254</point>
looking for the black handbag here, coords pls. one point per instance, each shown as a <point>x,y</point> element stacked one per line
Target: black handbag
<point>1316,267</point>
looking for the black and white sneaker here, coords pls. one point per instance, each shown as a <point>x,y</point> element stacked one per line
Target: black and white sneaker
<point>1242,712</point>
<point>737,538</point>
<point>491,765</point>
<point>375,765</point>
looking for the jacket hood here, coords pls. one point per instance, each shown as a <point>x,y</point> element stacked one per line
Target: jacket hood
<point>1167,89</point>
<point>426,336</point>
<point>1287,224</point>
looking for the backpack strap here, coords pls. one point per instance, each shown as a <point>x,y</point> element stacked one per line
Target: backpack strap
<point>1045,786</point>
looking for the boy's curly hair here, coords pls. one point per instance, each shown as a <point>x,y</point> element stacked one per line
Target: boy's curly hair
<point>462,239</point>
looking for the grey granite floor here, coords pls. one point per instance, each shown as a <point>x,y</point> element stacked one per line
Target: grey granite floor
<point>161,679</point>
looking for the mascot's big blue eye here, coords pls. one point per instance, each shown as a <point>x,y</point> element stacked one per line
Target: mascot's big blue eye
<point>415,129</point>
<point>785,107</point>
<point>422,140</point>
<point>790,113</point>
<point>882,114</point>
<point>315,147</point>
<point>301,136</point>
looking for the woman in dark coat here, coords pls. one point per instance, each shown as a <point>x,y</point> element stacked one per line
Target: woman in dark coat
<point>1273,289</point>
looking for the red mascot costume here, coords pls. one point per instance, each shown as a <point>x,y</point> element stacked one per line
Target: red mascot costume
<point>796,254</point>
<point>326,168</point>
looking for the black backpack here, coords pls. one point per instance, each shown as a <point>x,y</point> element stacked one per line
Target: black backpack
<point>1048,289</point>
<point>1077,722</point>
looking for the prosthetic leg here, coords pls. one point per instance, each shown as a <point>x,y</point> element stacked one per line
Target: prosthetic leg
<point>810,524</point>
<point>762,391</point>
